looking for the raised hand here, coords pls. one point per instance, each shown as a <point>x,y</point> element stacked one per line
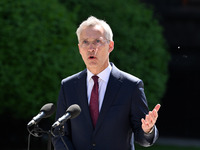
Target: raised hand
<point>150,119</point>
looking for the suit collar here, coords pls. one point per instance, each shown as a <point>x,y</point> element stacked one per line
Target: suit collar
<point>104,75</point>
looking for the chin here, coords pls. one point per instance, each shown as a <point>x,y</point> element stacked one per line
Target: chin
<point>92,65</point>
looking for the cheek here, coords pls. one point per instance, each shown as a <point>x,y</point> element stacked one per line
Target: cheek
<point>83,54</point>
<point>104,51</point>
<point>104,55</point>
<point>81,51</point>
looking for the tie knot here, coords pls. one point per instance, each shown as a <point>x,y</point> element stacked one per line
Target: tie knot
<point>95,79</point>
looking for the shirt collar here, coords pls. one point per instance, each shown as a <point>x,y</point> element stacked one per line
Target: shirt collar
<point>104,75</point>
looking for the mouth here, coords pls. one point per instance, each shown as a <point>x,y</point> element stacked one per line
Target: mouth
<point>92,57</point>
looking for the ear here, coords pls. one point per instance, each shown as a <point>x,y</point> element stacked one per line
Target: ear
<point>111,46</point>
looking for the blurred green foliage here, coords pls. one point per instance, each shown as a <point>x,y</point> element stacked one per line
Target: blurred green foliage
<point>38,47</point>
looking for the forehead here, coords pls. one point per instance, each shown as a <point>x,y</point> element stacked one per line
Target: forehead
<point>92,32</point>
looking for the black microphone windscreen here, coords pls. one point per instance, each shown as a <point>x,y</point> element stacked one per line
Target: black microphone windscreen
<point>74,110</point>
<point>48,109</point>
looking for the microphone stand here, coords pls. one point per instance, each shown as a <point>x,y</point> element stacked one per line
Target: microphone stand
<point>61,133</point>
<point>36,131</point>
<point>49,140</point>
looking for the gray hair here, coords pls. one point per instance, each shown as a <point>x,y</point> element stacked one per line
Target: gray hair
<point>92,21</point>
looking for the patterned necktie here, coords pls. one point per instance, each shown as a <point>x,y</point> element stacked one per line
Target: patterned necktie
<point>94,101</point>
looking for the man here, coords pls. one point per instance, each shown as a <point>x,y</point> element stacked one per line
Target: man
<point>113,102</point>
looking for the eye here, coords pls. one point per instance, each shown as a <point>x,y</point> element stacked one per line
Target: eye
<point>98,41</point>
<point>85,42</point>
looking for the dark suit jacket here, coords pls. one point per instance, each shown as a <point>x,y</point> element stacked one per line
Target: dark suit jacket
<point>123,107</point>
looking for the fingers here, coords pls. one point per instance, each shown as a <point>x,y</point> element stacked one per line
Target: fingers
<point>155,111</point>
<point>146,125</point>
<point>157,107</point>
<point>150,119</point>
<point>153,115</point>
<point>143,121</point>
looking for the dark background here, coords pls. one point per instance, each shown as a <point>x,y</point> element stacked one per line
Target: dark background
<point>179,114</point>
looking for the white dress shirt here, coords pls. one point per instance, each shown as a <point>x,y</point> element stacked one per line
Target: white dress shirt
<point>103,81</point>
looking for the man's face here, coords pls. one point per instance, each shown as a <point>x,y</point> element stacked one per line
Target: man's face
<point>95,48</point>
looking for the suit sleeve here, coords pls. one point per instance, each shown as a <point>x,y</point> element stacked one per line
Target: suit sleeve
<point>138,111</point>
<point>61,109</point>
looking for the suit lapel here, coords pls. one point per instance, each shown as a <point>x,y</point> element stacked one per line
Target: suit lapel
<point>81,87</point>
<point>112,89</point>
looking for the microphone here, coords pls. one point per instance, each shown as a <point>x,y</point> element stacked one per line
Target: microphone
<point>46,111</point>
<point>72,112</point>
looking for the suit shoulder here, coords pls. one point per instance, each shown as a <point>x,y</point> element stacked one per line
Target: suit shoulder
<point>129,77</point>
<point>72,78</point>
<point>126,77</point>
<point>131,81</point>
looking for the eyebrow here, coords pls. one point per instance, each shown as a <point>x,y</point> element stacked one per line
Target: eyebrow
<point>99,38</point>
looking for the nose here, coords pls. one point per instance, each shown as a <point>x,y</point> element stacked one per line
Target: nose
<point>91,47</point>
